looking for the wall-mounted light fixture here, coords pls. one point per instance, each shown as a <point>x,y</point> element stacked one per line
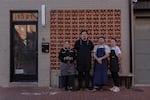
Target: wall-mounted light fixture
<point>43,16</point>
<point>135,1</point>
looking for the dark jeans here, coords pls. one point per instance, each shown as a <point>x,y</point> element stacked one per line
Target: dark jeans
<point>115,78</point>
<point>83,77</point>
<point>67,81</point>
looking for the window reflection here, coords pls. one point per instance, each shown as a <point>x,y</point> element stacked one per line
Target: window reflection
<point>21,33</point>
<point>25,49</point>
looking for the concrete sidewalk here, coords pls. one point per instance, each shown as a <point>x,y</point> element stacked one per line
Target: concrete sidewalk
<point>38,93</point>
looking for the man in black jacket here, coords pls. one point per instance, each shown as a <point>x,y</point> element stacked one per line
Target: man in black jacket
<point>83,47</point>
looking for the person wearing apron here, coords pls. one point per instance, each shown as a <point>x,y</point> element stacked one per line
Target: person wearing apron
<point>67,57</point>
<point>115,57</point>
<point>101,53</point>
<point>84,48</point>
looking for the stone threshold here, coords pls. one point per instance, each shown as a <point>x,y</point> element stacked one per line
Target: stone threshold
<point>23,84</point>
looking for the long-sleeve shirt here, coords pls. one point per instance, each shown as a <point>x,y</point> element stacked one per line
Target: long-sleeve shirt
<point>65,52</point>
<point>83,49</point>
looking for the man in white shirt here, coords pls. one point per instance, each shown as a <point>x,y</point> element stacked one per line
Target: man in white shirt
<point>101,53</point>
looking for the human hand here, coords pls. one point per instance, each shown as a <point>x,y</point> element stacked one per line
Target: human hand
<point>99,60</point>
<point>68,58</point>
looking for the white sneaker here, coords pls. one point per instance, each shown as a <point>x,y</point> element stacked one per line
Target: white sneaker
<point>116,89</point>
<point>111,89</point>
<point>95,88</point>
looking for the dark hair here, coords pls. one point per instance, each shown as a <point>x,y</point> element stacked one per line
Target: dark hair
<point>102,37</point>
<point>114,39</point>
<point>83,31</point>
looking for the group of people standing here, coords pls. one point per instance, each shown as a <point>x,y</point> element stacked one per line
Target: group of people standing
<point>79,58</point>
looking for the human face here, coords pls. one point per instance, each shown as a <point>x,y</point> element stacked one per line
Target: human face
<point>101,41</point>
<point>84,36</point>
<point>66,44</point>
<point>112,42</point>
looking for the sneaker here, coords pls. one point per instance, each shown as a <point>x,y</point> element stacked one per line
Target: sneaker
<point>94,90</point>
<point>96,87</point>
<point>70,88</point>
<point>89,89</point>
<point>116,89</point>
<point>111,89</point>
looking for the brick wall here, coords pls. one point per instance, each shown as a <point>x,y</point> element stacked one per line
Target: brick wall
<point>67,24</point>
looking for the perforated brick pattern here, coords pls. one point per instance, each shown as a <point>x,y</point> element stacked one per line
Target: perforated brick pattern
<point>67,24</point>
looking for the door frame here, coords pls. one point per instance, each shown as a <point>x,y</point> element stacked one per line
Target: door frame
<point>139,15</point>
<point>13,77</point>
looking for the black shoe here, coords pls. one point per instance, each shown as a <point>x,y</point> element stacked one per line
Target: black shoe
<point>89,89</point>
<point>71,89</point>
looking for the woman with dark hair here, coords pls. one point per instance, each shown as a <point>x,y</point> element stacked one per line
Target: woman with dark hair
<point>67,67</point>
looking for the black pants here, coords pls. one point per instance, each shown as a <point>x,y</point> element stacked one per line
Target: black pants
<point>115,78</point>
<point>83,77</point>
<point>67,81</point>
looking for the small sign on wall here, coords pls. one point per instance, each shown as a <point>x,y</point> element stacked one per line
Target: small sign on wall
<point>19,71</point>
<point>45,47</point>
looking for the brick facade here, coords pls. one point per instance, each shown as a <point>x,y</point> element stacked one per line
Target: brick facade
<point>67,24</point>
